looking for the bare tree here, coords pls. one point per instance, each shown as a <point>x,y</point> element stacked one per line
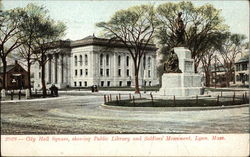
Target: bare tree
<point>199,22</point>
<point>10,37</point>
<point>134,27</point>
<point>230,49</point>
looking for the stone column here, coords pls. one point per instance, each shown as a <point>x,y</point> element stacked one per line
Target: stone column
<point>47,70</point>
<point>69,71</point>
<point>59,69</point>
<point>115,68</point>
<point>56,68</point>
<point>52,69</point>
<point>65,69</point>
<point>3,94</point>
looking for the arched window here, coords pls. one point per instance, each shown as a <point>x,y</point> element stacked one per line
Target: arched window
<point>149,62</point>
<point>75,60</point>
<point>101,59</point>
<point>86,60</point>
<point>107,59</point>
<point>119,60</point>
<point>127,60</point>
<point>80,60</point>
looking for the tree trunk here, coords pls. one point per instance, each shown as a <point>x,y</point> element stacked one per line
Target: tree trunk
<point>4,72</point>
<point>29,79</point>
<point>207,79</point>
<point>137,89</point>
<point>43,81</point>
<point>196,67</point>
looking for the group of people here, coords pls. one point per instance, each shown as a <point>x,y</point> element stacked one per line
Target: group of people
<point>54,90</point>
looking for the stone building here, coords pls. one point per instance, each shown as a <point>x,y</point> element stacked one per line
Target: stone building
<point>95,61</point>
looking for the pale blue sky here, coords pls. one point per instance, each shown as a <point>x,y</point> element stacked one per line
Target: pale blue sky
<point>81,16</point>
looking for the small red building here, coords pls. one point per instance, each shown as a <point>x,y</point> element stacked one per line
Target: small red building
<point>17,77</point>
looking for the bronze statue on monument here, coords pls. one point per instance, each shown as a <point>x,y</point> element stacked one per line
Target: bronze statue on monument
<point>172,64</point>
<point>179,31</point>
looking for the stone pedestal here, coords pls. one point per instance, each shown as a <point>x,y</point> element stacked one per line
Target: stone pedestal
<point>186,83</point>
<point>3,94</point>
<point>27,93</point>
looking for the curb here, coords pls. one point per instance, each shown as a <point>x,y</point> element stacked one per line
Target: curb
<point>169,109</point>
<point>32,100</point>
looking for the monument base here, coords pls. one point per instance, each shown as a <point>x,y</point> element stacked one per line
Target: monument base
<point>181,84</point>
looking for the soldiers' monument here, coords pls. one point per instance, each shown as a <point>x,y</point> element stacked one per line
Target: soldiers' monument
<point>179,78</point>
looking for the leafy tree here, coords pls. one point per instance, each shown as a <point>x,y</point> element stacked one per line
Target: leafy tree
<point>47,33</point>
<point>230,48</point>
<point>134,27</point>
<point>200,23</point>
<point>214,44</point>
<point>10,36</point>
<point>29,29</point>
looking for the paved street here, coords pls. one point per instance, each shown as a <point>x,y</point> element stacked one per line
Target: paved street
<point>82,114</point>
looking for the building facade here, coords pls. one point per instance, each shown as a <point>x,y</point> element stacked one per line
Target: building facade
<point>242,71</point>
<point>96,61</point>
<point>16,77</point>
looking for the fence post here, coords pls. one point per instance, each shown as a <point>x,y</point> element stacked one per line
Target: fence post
<point>243,98</point>
<point>217,102</point>
<point>117,100</point>
<point>104,99</point>
<point>233,98</point>
<point>196,99</point>
<point>174,101</point>
<point>19,95</point>
<point>152,99</point>
<point>110,97</point>
<point>221,93</point>
<point>11,95</point>
<point>246,98</point>
<point>134,101</point>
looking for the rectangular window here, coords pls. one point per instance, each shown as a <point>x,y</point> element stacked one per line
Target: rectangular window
<point>120,83</point>
<point>75,84</point>
<point>119,60</point>
<point>149,73</point>
<point>86,72</point>
<point>75,72</point>
<point>102,83</point>
<point>80,84</point>
<point>81,72</point>
<point>86,60</point>
<point>108,83</point>
<point>244,66</point>
<point>101,72</point>
<point>128,83</point>
<point>119,72</point>
<point>127,72</point>
<point>85,83</point>
<point>39,74</point>
<point>107,72</point>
